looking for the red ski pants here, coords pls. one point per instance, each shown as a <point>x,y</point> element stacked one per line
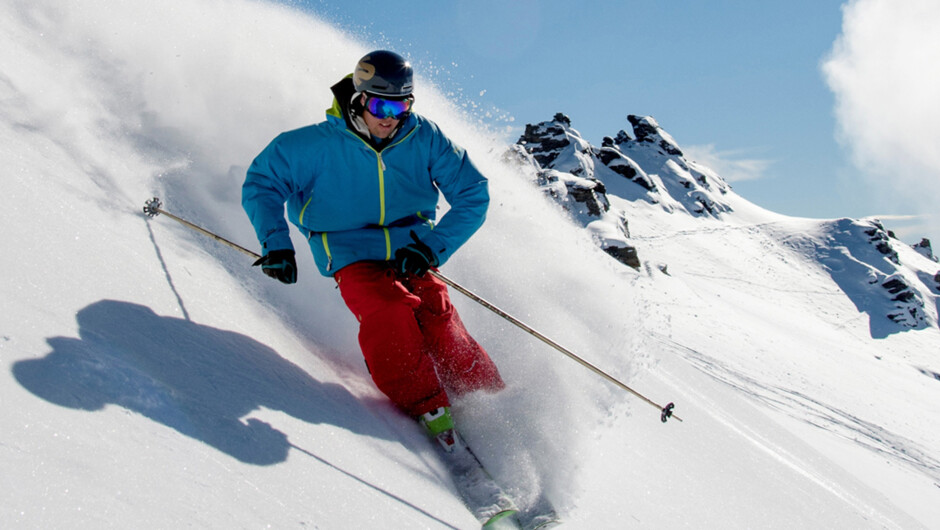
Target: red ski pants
<point>413,341</point>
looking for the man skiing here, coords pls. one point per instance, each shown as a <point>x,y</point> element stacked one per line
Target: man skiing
<point>363,186</point>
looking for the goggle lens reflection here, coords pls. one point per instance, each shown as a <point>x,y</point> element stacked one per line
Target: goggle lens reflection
<point>389,108</point>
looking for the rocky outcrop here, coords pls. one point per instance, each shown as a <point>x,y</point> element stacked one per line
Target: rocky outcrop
<point>881,239</point>
<point>609,155</point>
<point>563,165</point>
<point>648,131</point>
<point>648,166</point>
<point>908,309</point>
<point>923,248</point>
<point>546,141</point>
<point>866,262</point>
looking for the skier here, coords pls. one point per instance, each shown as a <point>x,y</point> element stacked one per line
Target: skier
<point>363,187</point>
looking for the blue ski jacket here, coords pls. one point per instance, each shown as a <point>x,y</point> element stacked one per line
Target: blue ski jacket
<point>355,201</point>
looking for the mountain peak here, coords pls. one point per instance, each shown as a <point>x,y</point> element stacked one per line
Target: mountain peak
<point>648,130</point>
<point>650,167</point>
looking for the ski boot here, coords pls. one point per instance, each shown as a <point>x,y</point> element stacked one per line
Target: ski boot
<point>439,425</point>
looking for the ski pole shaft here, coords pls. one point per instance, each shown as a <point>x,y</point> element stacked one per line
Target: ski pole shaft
<point>153,208</point>
<point>666,412</point>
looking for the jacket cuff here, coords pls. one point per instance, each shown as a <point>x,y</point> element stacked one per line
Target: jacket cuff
<point>277,241</point>
<point>441,253</point>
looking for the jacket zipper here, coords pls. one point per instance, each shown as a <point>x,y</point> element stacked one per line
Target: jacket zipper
<point>381,168</point>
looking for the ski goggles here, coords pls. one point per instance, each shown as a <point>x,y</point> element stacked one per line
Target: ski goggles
<point>395,109</point>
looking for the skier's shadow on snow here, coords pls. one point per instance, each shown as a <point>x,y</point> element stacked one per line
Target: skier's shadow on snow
<point>198,380</point>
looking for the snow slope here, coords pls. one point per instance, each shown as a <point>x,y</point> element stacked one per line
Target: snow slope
<point>151,378</point>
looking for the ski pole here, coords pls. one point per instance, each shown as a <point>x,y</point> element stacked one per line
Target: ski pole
<point>153,207</point>
<point>665,412</point>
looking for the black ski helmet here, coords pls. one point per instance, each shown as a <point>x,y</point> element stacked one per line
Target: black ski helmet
<point>384,73</point>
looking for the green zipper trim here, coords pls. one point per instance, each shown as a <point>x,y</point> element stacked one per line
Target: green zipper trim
<point>426,219</point>
<point>303,210</point>
<point>378,156</point>
<point>329,255</point>
<point>388,244</point>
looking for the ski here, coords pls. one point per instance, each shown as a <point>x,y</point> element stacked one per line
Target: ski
<point>482,495</point>
<point>486,499</point>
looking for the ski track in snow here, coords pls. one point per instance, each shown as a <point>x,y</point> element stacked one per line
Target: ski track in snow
<point>803,407</point>
<point>779,453</point>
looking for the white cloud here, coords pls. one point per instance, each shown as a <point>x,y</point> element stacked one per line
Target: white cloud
<point>728,164</point>
<point>884,70</point>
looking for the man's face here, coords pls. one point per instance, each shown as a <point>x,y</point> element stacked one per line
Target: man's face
<point>378,127</point>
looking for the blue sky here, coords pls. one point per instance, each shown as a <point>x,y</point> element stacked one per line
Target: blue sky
<point>739,84</point>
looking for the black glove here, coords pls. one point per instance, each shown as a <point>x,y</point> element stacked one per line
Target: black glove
<point>415,258</point>
<point>280,265</point>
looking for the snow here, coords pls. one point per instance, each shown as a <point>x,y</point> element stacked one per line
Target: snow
<point>152,379</point>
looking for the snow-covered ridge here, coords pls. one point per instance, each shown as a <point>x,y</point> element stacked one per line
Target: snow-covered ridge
<point>893,283</point>
<point>598,186</point>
